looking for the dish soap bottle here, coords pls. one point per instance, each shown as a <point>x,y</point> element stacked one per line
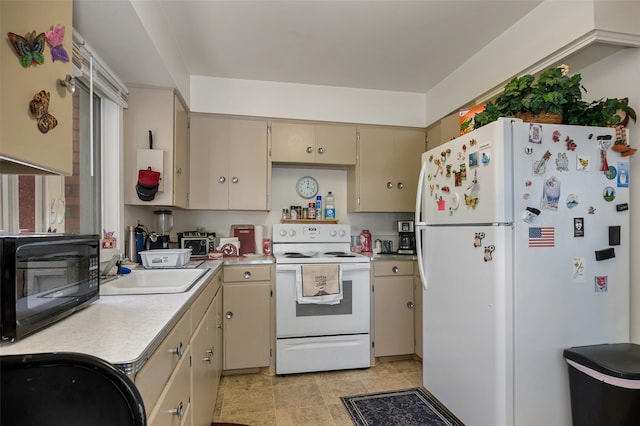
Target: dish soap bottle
<point>329,207</point>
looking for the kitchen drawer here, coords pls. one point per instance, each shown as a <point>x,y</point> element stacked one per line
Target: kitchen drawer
<point>156,371</point>
<point>247,273</point>
<point>173,406</point>
<point>393,268</point>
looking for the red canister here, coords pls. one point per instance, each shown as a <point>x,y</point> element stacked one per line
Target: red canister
<point>365,241</point>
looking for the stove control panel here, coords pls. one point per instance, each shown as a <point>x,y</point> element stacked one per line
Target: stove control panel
<point>310,233</point>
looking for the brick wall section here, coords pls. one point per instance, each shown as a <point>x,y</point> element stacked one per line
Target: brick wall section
<point>72,183</point>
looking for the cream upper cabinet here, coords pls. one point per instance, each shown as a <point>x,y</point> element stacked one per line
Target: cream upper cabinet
<point>162,112</point>
<point>228,163</point>
<point>20,137</point>
<point>308,143</point>
<point>386,175</point>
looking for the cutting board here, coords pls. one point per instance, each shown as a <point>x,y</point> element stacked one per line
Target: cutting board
<point>245,234</point>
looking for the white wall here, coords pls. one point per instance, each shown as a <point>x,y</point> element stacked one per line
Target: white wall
<point>617,76</point>
<point>303,101</point>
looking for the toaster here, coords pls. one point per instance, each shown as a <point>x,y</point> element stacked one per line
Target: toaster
<point>200,244</point>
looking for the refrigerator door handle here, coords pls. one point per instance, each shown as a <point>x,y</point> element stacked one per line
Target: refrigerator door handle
<point>420,224</point>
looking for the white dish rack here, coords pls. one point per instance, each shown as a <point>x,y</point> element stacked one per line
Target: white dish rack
<point>165,258</point>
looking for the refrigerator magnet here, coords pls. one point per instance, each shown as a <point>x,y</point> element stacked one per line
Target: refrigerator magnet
<point>583,163</point>
<point>578,227</point>
<point>455,201</point>
<point>473,159</point>
<point>623,175</point>
<point>535,133</point>
<point>562,162</point>
<point>572,201</point>
<point>487,253</point>
<point>477,239</point>
<point>611,173</point>
<point>578,266</point>
<point>609,194</point>
<point>601,283</point>
<point>550,194</point>
<point>530,214</point>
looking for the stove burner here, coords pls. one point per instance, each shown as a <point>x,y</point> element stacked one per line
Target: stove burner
<point>339,254</point>
<point>295,255</point>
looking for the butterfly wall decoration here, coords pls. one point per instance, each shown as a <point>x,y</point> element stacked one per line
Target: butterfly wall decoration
<point>39,108</point>
<point>54,38</point>
<point>29,49</point>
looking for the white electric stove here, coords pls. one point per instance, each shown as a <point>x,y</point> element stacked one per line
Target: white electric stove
<point>320,337</point>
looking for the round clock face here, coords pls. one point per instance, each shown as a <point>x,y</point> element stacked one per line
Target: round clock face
<point>307,187</point>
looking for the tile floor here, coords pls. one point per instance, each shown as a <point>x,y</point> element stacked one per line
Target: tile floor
<point>307,399</point>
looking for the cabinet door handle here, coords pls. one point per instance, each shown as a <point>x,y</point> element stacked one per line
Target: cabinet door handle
<point>410,305</point>
<point>309,150</point>
<point>389,185</point>
<point>179,171</point>
<point>207,359</point>
<point>229,315</point>
<point>395,269</point>
<point>321,150</point>
<point>400,185</point>
<point>234,179</point>
<point>179,350</point>
<point>219,325</point>
<point>222,179</point>
<point>178,411</point>
<point>247,275</point>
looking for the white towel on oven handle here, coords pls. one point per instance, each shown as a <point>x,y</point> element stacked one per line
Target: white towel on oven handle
<point>329,299</point>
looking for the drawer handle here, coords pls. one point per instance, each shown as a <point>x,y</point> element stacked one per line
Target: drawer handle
<point>234,179</point>
<point>208,358</point>
<point>389,185</point>
<point>395,269</point>
<point>178,411</point>
<point>400,185</point>
<point>179,350</point>
<point>321,150</point>
<point>309,150</point>
<point>247,275</point>
<point>410,305</point>
<point>222,179</point>
<point>229,315</point>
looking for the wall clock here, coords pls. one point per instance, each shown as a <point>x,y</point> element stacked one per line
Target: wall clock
<point>307,187</point>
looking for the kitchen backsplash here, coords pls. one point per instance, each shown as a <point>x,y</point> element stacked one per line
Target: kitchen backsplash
<point>381,225</point>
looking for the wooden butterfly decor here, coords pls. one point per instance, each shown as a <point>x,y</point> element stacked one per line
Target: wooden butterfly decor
<point>39,107</point>
<point>29,50</point>
<point>54,37</point>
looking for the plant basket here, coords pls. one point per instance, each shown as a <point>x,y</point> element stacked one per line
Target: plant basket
<point>544,117</point>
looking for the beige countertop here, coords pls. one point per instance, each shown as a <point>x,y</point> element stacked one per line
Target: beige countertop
<point>123,330</point>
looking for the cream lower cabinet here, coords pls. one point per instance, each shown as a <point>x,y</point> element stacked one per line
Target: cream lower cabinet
<point>247,319</point>
<point>310,143</point>
<point>385,177</point>
<point>179,381</point>
<point>206,355</point>
<point>162,112</point>
<point>228,164</point>
<point>393,296</point>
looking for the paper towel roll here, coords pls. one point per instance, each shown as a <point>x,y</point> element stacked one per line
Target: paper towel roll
<point>258,232</point>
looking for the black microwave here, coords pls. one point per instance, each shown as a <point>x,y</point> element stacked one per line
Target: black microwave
<point>44,278</point>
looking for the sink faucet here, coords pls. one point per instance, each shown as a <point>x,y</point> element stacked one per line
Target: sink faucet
<point>116,260</point>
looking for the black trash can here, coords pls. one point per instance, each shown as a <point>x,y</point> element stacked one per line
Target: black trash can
<point>604,382</point>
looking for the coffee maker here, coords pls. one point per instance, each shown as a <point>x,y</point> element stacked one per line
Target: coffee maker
<point>406,237</point>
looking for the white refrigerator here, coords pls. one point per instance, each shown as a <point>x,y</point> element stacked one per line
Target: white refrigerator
<point>523,245</point>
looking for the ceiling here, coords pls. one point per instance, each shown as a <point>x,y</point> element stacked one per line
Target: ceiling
<point>405,46</point>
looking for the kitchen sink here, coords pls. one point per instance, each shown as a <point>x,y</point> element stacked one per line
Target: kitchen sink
<point>152,281</point>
